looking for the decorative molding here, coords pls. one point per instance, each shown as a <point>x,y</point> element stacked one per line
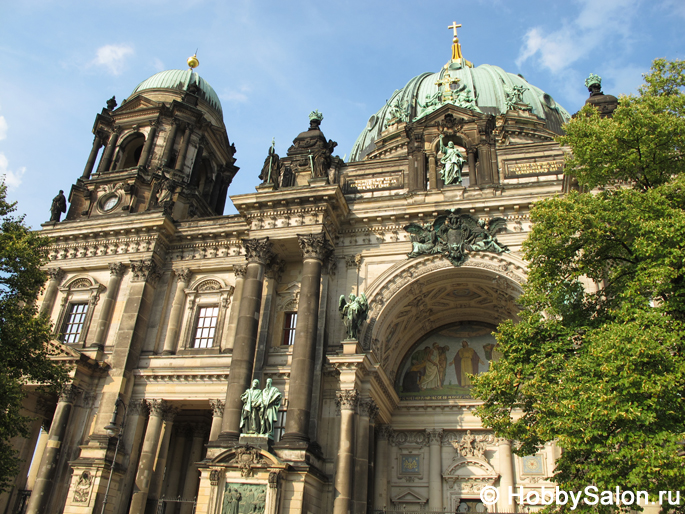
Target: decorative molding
<point>239,270</point>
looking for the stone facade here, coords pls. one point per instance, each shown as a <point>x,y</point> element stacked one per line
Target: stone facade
<point>147,254</point>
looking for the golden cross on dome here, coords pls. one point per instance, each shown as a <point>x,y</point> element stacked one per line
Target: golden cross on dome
<point>454,26</point>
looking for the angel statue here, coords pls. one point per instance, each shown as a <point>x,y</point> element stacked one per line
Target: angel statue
<point>354,313</point>
<point>453,161</point>
<point>423,239</point>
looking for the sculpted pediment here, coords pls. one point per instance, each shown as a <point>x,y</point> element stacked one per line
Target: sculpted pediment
<point>408,496</point>
<point>470,470</point>
<point>139,102</point>
<point>248,459</point>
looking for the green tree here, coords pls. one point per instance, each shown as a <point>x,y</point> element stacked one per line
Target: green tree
<point>596,361</point>
<point>24,354</point>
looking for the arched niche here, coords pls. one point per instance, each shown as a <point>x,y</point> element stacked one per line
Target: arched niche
<point>417,296</point>
<point>131,148</point>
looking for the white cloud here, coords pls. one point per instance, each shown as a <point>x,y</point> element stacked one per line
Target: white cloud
<point>596,23</point>
<point>12,178</point>
<point>158,65</point>
<point>113,57</point>
<point>236,95</point>
<point>3,128</point>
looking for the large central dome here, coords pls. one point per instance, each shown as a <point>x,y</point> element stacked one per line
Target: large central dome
<point>487,89</point>
<point>181,80</point>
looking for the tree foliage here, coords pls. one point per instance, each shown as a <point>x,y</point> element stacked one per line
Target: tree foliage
<point>24,355</point>
<point>597,359</point>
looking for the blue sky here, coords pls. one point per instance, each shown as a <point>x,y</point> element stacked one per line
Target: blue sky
<point>273,62</point>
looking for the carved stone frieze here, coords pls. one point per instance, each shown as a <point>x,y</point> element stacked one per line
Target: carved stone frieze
<point>83,487</point>
<point>258,250</point>
<point>103,247</point>
<point>470,446</point>
<point>409,438</point>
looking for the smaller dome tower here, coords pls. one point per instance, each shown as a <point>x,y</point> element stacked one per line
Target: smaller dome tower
<point>165,149</point>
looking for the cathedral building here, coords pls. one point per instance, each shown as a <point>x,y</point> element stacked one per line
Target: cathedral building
<point>365,292</point>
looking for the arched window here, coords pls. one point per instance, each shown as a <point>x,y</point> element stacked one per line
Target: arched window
<point>130,151</point>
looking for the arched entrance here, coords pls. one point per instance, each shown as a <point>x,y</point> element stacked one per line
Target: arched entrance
<point>431,328</point>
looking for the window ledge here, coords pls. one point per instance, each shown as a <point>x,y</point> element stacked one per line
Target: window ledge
<point>199,351</point>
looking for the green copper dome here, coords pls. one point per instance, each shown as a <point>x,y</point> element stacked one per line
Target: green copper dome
<point>181,80</point>
<point>487,89</point>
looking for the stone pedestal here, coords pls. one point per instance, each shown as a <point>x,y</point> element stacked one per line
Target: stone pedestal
<point>256,440</point>
<point>318,181</point>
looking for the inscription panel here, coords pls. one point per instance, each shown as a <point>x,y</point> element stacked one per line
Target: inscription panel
<point>531,169</point>
<point>361,184</point>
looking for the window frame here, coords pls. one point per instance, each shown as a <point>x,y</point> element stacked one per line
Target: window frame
<point>78,290</point>
<point>207,291</point>
<point>288,333</point>
<point>196,327</point>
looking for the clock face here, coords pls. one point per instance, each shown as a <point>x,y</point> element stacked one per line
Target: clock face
<point>110,203</point>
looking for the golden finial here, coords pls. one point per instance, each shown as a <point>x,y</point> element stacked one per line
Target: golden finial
<point>193,61</point>
<point>456,47</point>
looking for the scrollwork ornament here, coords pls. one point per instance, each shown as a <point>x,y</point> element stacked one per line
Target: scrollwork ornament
<point>434,436</point>
<point>214,476</point>
<point>258,250</point>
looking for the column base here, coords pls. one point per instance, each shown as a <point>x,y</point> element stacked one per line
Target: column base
<point>258,440</point>
<point>225,440</point>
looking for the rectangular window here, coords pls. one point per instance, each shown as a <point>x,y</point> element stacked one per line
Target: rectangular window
<point>289,324</point>
<point>206,327</point>
<point>76,317</point>
<point>279,426</point>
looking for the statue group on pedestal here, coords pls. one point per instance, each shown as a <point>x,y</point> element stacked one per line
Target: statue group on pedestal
<point>260,409</point>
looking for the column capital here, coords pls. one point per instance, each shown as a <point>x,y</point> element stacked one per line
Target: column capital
<point>347,399</point>
<point>183,274</point>
<point>258,250</point>
<point>275,267</point>
<point>240,270</point>
<point>170,413</point>
<point>145,271</point>
<point>116,269</point>
<point>368,408</point>
<point>315,246</point>
<point>56,274</point>
<point>137,407</point>
<point>434,435</point>
<point>217,408</point>
<point>157,408</point>
<point>384,431</point>
<point>69,393</point>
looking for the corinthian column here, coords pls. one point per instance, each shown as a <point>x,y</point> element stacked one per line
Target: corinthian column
<point>367,412</point>
<point>344,472</point>
<point>97,144</point>
<point>56,275</point>
<point>171,340</point>
<point>116,271</point>
<point>217,416</point>
<point>315,249</point>
<point>258,254</point>
<point>380,487</point>
<point>145,154</point>
<point>435,470</point>
<point>106,160</point>
<point>148,454</point>
<point>180,162</point>
<point>506,471</point>
<point>40,496</point>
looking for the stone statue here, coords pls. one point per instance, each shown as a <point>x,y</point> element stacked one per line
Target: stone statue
<point>423,239</point>
<point>321,159</point>
<point>271,171</point>
<point>250,420</point>
<point>112,103</point>
<point>432,104</point>
<point>514,99</point>
<point>165,191</point>
<point>59,205</point>
<point>271,402</point>
<point>462,97</point>
<point>354,313</point>
<point>453,161</point>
